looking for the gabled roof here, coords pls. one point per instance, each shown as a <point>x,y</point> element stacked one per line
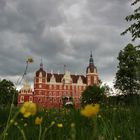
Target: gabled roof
<point>42,71</point>
<point>58,77</point>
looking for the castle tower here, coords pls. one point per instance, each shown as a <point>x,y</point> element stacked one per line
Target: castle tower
<point>25,93</point>
<point>40,81</point>
<point>91,73</point>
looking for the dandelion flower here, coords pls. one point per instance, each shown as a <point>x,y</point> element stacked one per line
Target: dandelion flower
<point>25,124</point>
<point>72,125</point>
<point>15,123</point>
<point>38,120</point>
<point>60,125</point>
<point>11,121</point>
<point>52,123</point>
<point>28,109</point>
<point>90,110</point>
<point>29,60</point>
<point>99,116</point>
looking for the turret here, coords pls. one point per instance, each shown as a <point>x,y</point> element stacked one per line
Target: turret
<point>25,93</point>
<point>40,80</point>
<point>91,72</point>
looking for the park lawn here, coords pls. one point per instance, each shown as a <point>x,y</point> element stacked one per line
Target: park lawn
<point>111,123</point>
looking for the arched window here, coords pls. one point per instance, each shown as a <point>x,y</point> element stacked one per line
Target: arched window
<point>30,98</point>
<point>40,86</point>
<point>22,99</point>
<point>40,77</point>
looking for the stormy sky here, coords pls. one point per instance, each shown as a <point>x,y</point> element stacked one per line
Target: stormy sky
<point>62,32</point>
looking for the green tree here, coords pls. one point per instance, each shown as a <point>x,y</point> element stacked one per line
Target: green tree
<point>93,94</point>
<point>134,18</point>
<point>7,90</point>
<point>126,77</point>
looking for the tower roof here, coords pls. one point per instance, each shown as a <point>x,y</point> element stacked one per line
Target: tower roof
<point>91,66</point>
<point>41,70</point>
<point>91,62</point>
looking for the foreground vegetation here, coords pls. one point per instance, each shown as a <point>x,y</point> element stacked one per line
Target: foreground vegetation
<point>113,122</point>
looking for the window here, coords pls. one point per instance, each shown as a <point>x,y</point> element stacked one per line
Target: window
<point>54,86</point>
<point>40,86</point>
<point>73,93</point>
<point>40,80</point>
<point>54,94</point>
<point>60,87</point>
<point>50,94</point>
<point>95,79</point>
<point>72,87</point>
<point>30,98</point>
<point>22,99</point>
<point>60,94</point>
<point>64,94</point>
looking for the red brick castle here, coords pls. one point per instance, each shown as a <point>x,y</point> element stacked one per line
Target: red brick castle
<point>51,88</point>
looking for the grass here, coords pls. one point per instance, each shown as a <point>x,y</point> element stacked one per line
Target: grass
<point>111,123</point>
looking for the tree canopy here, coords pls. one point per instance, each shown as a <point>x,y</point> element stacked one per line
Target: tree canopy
<point>134,18</point>
<point>92,94</point>
<point>7,90</point>
<point>127,80</point>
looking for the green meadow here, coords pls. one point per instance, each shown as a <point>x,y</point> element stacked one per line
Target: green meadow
<point>113,122</point>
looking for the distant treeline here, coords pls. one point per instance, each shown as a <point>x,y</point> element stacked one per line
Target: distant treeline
<point>133,99</point>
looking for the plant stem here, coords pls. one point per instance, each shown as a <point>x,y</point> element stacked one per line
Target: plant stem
<point>43,135</point>
<point>40,131</point>
<point>22,132</point>
<point>7,123</point>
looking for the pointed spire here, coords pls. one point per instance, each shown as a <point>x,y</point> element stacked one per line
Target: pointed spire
<point>41,64</point>
<point>91,62</point>
<point>64,68</point>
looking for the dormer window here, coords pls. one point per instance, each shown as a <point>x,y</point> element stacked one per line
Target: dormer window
<point>40,74</point>
<point>52,80</point>
<point>67,78</point>
<point>40,80</point>
<point>80,81</point>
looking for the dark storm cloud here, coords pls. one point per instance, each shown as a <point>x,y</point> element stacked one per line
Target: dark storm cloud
<point>61,32</point>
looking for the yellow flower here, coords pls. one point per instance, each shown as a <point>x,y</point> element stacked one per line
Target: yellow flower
<point>29,60</point>
<point>99,116</point>
<point>38,120</point>
<point>52,123</point>
<point>25,124</point>
<point>90,110</point>
<point>28,109</point>
<point>59,125</point>
<point>15,123</point>
<point>72,125</point>
<point>11,121</point>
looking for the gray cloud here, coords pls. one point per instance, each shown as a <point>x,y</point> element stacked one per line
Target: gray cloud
<point>61,32</point>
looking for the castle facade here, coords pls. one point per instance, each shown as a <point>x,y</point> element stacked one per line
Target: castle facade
<point>51,88</point>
